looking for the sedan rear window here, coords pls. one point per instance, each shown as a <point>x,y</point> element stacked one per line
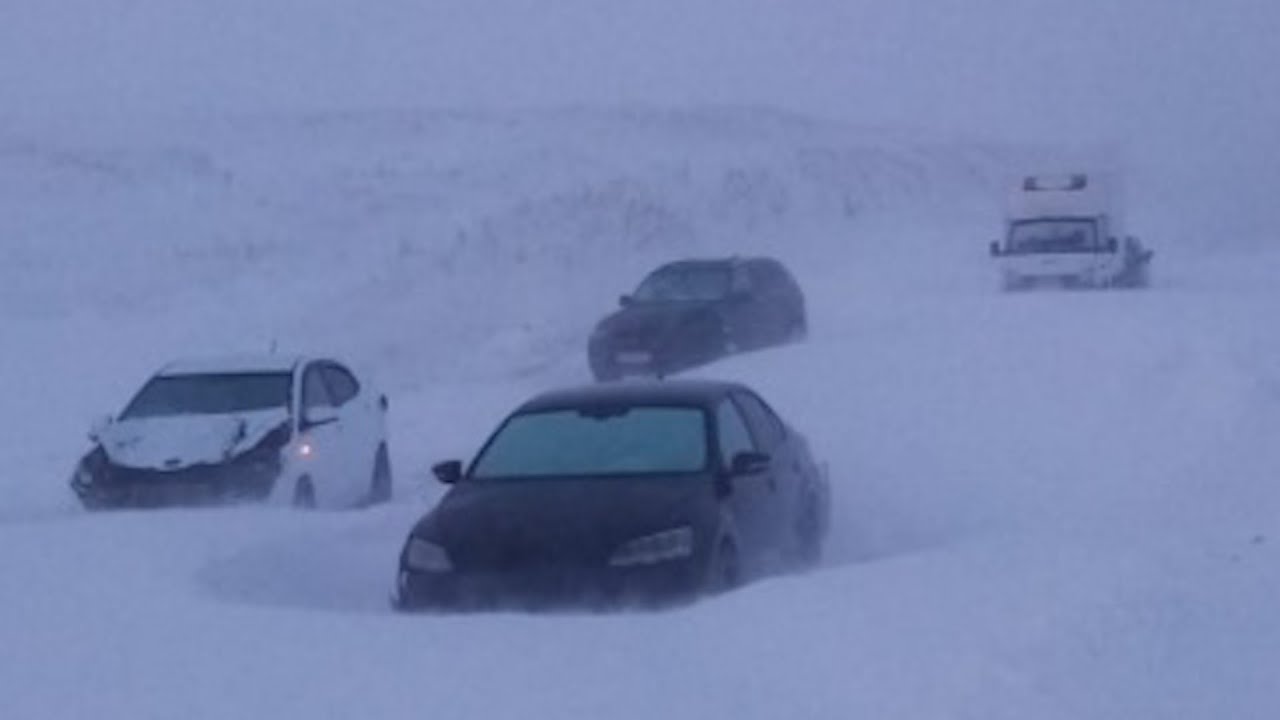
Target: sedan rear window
<point>596,442</point>
<point>210,394</point>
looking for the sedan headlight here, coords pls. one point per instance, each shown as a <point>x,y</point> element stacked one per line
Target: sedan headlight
<point>651,549</point>
<point>426,556</point>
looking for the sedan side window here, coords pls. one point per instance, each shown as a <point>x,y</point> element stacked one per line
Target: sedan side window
<point>765,424</point>
<point>314,391</point>
<point>341,383</point>
<point>732,435</point>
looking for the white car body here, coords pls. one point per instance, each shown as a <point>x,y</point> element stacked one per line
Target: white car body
<point>336,434</point>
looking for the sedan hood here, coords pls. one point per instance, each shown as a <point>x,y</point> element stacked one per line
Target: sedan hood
<point>171,443</point>
<point>504,524</point>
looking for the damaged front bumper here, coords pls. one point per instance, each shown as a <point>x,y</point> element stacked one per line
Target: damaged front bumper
<point>113,486</point>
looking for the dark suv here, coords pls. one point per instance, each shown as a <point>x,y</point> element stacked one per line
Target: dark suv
<point>692,312</point>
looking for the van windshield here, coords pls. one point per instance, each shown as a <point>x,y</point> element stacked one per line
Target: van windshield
<point>1058,235</point>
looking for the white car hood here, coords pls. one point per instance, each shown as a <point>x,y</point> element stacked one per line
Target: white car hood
<point>170,443</point>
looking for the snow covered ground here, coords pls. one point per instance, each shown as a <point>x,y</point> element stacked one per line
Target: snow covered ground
<point>1047,505</point>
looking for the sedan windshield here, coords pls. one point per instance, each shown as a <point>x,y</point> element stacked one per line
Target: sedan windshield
<point>579,443</point>
<point>685,283</point>
<point>210,394</point>
<point>1053,236</point>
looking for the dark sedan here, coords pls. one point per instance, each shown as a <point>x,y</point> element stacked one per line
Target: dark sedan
<point>692,312</point>
<point>625,493</point>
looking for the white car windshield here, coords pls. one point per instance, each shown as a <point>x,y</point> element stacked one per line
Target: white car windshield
<point>210,394</point>
<point>1056,235</point>
<point>612,441</point>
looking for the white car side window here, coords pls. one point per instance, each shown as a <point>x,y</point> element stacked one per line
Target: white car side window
<point>314,392</point>
<point>341,383</point>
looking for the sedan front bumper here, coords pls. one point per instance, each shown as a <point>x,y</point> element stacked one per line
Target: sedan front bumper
<point>544,588</point>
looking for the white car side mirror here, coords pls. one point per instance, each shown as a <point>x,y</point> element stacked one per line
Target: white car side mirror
<point>317,416</point>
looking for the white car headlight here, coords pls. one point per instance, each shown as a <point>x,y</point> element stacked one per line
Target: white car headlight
<point>427,557</point>
<point>651,549</point>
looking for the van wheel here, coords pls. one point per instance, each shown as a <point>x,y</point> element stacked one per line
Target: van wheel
<point>380,479</point>
<point>304,494</point>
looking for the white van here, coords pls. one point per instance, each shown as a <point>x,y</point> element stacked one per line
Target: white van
<point>1067,231</point>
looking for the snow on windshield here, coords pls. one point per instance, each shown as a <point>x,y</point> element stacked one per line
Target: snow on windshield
<point>624,441</point>
<point>209,394</point>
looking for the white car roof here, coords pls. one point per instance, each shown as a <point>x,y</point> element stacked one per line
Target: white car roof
<point>232,364</point>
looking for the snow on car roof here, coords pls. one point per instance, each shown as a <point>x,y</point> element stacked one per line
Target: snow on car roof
<point>637,392</point>
<point>232,364</point>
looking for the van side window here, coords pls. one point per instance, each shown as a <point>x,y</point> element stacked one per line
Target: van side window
<point>765,424</point>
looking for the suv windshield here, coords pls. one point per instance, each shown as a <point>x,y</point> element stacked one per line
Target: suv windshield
<point>684,283</point>
<point>579,443</point>
<point>209,394</point>
<point>1053,236</point>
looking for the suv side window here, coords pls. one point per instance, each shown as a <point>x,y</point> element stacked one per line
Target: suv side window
<point>764,281</point>
<point>741,281</point>
<point>732,436</point>
<point>341,383</point>
<point>765,424</point>
<point>314,391</point>
<point>783,277</point>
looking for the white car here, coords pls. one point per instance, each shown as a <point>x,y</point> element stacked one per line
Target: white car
<point>288,430</point>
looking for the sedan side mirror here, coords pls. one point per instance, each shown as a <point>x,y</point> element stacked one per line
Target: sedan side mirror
<point>99,426</point>
<point>1112,245</point>
<point>448,472</point>
<point>626,301</point>
<point>994,248</point>
<point>317,416</point>
<point>748,463</point>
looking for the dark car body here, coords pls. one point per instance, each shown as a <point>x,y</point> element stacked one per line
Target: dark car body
<point>691,312</point>
<point>759,503</point>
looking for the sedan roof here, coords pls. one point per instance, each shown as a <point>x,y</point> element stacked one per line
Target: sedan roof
<point>701,393</point>
<point>230,364</point>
